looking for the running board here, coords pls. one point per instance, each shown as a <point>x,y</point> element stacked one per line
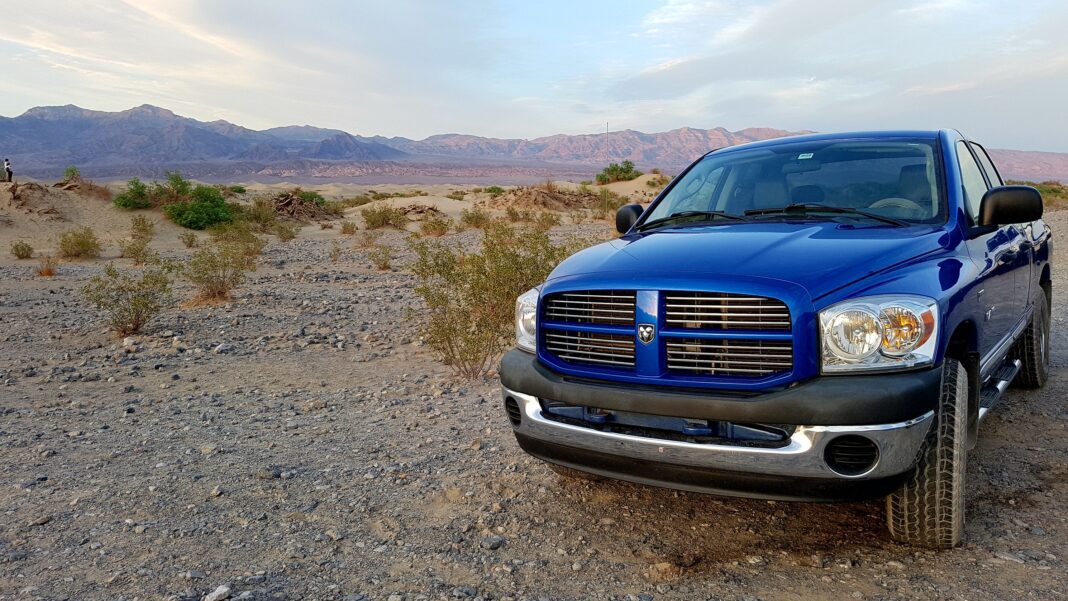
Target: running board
<point>997,384</point>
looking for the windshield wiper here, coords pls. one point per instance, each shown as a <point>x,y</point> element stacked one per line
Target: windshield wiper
<point>818,208</point>
<point>685,215</point>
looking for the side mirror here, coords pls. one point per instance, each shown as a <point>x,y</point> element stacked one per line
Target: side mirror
<point>1010,204</point>
<point>627,216</point>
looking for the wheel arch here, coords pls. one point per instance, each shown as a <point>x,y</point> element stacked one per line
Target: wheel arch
<point>963,345</point>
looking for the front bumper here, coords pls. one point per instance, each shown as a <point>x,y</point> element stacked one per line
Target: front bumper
<point>797,470</point>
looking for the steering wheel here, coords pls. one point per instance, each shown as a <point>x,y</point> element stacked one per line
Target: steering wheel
<point>897,202</point>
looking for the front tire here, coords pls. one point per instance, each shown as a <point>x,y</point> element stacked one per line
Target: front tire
<point>928,509</point>
<point>1032,349</point>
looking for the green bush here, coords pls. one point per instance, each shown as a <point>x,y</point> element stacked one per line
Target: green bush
<point>383,216</point>
<point>130,302</point>
<point>476,217</point>
<point>204,208</point>
<point>618,172</point>
<point>79,244</point>
<point>174,189</point>
<point>237,189</point>
<point>137,250</point>
<point>260,215</point>
<point>380,257</point>
<point>72,173</point>
<point>286,231</point>
<point>435,225</point>
<point>134,197</point>
<point>217,270</point>
<point>470,298</point>
<point>21,249</point>
<point>239,235</point>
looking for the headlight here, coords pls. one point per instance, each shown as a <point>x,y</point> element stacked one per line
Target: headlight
<point>879,332</point>
<point>526,319</point>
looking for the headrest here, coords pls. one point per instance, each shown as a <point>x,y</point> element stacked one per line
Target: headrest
<point>913,183</point>
<point>770,193</point>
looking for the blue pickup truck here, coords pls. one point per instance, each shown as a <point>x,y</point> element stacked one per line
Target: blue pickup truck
<point>819,318</point>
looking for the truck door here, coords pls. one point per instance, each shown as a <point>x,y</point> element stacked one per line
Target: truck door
<point>996,254</point>
<point>1023,276</point>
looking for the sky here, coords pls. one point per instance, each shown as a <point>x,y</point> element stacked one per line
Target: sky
<point>996,70</point>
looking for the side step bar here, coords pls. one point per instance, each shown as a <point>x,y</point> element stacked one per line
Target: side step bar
<point>996,385</point>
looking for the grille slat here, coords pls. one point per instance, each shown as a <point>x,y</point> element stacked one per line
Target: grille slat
<point>722,311</point>
<point>609,307</point>
<point>591,348</point>
<point>730,357</point>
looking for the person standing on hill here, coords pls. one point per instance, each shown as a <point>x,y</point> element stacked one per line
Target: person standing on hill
<point>8,175</point>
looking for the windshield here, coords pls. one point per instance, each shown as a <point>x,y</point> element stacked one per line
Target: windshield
<point>896,179</point>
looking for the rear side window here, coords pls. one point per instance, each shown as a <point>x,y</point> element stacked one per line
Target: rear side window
<point>988,165</point>
<point>972,179</point>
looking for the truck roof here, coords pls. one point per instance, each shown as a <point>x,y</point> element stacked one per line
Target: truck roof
<point>853,135</point>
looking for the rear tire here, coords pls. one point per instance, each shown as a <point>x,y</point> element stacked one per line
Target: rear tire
<point>1032,349</point>
<point>928,509</point>
<point>573,474</point>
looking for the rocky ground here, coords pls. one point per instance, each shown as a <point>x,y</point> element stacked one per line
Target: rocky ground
<point>301,443</point>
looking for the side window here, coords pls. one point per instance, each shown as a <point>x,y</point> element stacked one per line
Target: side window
<point>988,165</point>
<point>972,178</point>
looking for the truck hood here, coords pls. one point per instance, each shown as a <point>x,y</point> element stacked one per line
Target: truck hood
<point>817,256</point>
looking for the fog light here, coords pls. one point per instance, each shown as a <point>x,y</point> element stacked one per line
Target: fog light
<point>512,409</point>
<point>851,455</point>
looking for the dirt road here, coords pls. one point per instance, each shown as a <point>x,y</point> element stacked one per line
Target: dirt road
<point>301,443</point>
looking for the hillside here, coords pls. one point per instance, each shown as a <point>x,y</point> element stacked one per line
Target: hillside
<point>149,140</point>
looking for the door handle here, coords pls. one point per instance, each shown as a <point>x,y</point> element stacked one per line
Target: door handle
<point>1008,256</point>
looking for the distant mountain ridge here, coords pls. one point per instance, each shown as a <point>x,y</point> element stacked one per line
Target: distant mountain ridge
<point>147,140</point>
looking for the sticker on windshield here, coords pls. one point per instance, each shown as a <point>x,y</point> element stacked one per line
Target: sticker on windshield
<point>804,155</point>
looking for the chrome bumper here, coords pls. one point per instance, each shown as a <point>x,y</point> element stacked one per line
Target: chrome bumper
<point>803,457</point>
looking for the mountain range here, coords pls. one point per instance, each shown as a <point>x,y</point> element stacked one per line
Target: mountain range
<point>149,140</point>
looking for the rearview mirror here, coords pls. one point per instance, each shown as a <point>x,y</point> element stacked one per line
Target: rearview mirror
<point>627,216</point>
<point>1010,204</point>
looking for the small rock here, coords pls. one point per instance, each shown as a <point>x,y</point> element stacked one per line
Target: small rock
<point>463,592</point>
<point>129,341</point>
<point>493,542</point>
<point>41,521</point>
<point>223,592</point>
<point>223,348</point>
<point>194,575</point>
<point>217,491</point>
<point>269,473</point>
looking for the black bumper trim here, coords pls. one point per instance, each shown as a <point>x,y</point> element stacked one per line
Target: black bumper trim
<point>824,401</point>
<point>706,481</point>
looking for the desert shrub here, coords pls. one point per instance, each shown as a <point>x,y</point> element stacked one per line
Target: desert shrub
<point>380,256</point>
<point>79,244</point>
<point>383,216</point>
<point>72,173</point>
<point>584,189</point>
<point>237,189</point>
<point>189,239</point>
<point>456,195</point>
<point>47,266</point>
<point>549,186</point>
<point>335,207</point>
<point>494,191</point>
<point>618,172</point>
<point>368,238</point>
<point>470,298</point>
<point>204,208</point>
<point>515,216</point>
<point>286,231</point>
<point>21,249</point>
<point>239,235</point>
<point>217,270</point>
<point>348,228</point>
<point>546,220</point>
<point>335,251</point>
<point>174,189</point>
<point>130,302</point>
<point>607,203</point>
<point>142,228</point>
<point>435,225</point>
<point>137,250</point>
<point>326,225</point>
<point>476,217</point>
<point>260,214</point>
<point>134,197</point>
<point>659,181</point>
<point>476,190</point>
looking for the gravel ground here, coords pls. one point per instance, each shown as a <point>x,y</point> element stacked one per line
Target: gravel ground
<point>300,443</point>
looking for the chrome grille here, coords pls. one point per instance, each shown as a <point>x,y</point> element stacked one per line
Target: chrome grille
<point>609,350</point>
<point>608,307</point>
<point>716,311</point>
<point>742,357</point>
